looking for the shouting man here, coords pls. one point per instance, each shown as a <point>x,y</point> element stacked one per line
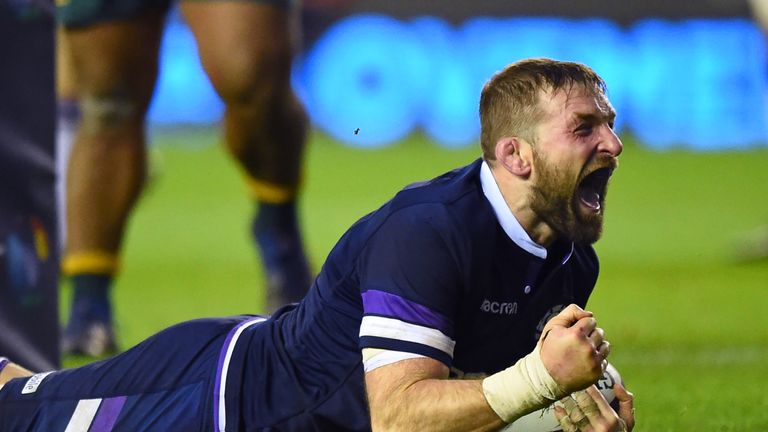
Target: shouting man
<point>458,305</point>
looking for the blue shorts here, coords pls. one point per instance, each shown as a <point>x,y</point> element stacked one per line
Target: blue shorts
<point>185,378</point>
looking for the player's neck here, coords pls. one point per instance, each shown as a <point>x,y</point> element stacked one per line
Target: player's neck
<point>538,230</point>
<point>517,197</point>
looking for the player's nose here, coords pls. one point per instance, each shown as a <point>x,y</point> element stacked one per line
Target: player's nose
<point>610,143</point>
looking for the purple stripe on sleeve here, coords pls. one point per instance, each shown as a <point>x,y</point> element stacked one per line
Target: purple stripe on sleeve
<point>106,418</point>
<point>393,306</point>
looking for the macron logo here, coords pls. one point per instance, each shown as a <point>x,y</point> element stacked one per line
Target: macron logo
<point>34,382</point>
<point>499,308</point>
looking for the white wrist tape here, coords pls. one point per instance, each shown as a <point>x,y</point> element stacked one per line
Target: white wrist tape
<point>522,388</point>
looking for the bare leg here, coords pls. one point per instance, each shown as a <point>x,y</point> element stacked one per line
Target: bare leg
<point>116,67</point>
<point>68,116</point>
<point>246,50</point>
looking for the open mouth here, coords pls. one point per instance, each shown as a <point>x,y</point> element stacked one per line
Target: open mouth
<point>591,191</point>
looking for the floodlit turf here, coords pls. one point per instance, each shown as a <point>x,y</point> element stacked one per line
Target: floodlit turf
<point>688,324</point>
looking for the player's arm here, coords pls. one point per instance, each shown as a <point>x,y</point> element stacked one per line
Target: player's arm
<point>416,394</point>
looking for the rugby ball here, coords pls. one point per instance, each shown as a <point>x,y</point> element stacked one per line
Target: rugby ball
<point>544,420</point>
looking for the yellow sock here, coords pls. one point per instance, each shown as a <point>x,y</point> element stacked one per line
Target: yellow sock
<point>91,262</point>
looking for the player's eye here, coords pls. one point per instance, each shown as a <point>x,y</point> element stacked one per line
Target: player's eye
<point>584,129</point>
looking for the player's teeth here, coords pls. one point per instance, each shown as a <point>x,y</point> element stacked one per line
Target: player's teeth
<point>591,199</point>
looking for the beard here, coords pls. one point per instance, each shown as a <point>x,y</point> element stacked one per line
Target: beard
<point>554,199</point>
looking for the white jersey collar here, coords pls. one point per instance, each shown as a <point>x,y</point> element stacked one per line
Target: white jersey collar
<point>505,216</point>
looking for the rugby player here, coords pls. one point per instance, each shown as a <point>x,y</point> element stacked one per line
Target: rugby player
<point>245,48</point>
<point>457,305</point>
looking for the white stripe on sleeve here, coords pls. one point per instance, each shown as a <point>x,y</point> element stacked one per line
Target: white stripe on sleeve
<point>391,328</point>
<point>385,357</point>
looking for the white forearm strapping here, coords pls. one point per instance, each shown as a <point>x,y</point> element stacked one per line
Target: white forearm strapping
<point>522,388</point>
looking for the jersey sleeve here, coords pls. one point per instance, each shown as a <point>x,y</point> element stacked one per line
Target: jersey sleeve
<point>410,284</point>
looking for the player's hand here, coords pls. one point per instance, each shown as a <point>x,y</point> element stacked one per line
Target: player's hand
<point>588,411</point>
<point>574,349</point>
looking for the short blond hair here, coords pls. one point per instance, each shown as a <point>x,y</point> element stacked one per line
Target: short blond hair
<point>509,102</point>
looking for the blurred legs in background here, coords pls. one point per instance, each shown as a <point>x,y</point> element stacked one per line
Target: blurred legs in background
<point>246,49</point>
<point>115,67</point>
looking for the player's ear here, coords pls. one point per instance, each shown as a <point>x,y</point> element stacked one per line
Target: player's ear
<point>512,155</point>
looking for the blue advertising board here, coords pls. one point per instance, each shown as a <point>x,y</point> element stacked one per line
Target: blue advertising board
<point>695,83</point>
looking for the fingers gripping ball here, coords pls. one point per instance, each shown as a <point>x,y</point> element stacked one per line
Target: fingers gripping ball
<point>544,420</point>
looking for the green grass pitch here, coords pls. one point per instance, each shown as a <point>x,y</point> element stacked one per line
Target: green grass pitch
<point>688,323</point>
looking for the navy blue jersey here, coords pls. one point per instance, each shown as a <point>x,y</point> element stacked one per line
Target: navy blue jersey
<point>443,270</point>
<point>432,273</point>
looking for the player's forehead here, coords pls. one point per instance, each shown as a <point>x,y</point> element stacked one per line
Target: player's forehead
<point>576,102</point>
